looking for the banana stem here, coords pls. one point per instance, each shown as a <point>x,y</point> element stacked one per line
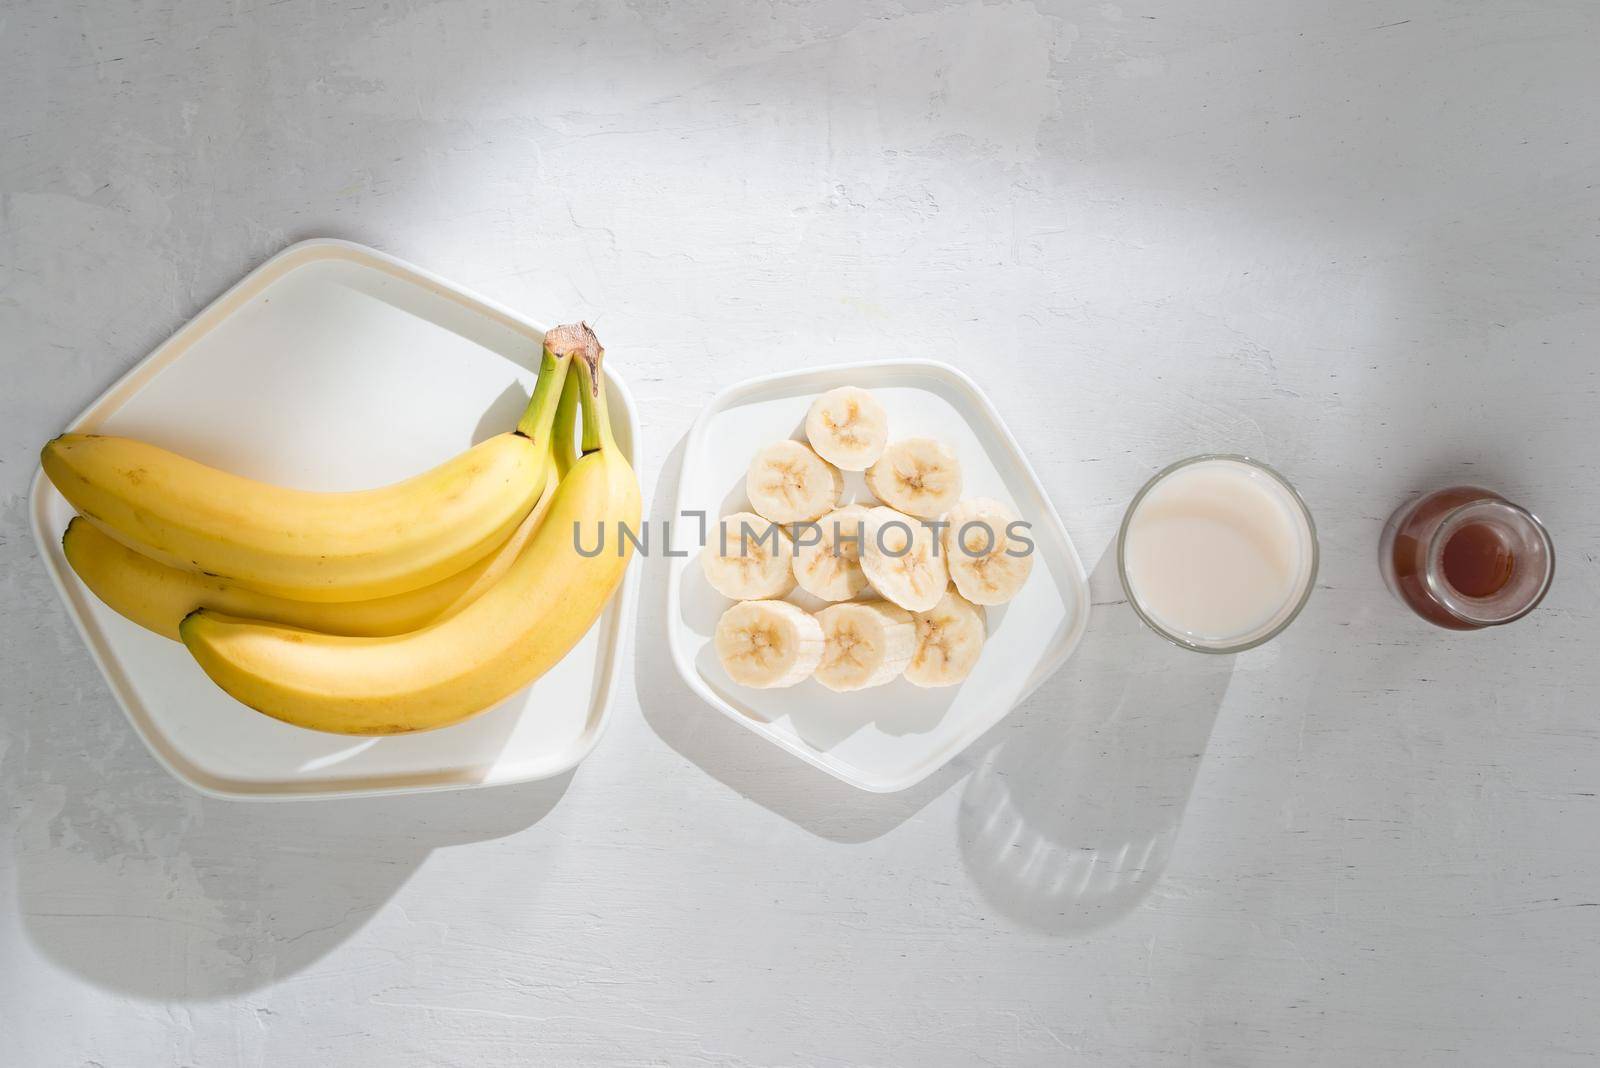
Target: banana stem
<point>566,427</point>
<point>596,420</point>
<point>540,414</point>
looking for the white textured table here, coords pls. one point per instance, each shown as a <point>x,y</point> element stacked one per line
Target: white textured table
<point>1360,240</point>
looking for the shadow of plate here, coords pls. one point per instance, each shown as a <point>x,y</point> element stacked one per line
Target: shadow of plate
<point>140,886</point>
<point>133,881</point>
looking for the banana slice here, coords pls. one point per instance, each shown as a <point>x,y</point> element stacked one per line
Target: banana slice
<point>827,557</point>
<point>788,483</point>
<point>748,558</point>
<point>848,428</point>
<point>902,559</point>
<point>979,550</point>
<point>768,644</point>
<point>949,640</point>
<point>868,644</point>
<point>919,476</point>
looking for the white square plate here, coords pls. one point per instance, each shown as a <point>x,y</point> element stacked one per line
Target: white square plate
<point>333,367</point>
<point>891,737</point>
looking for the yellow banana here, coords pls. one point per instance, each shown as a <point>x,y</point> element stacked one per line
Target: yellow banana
<point>157,596</point>
<point>544,603</point>
<point>316,546</point>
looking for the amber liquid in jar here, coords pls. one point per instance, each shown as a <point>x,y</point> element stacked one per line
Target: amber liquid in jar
<point>1477,561</point>
<point>1466,558</point>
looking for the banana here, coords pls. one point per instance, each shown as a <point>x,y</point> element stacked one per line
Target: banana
<point>848,428</point>
<point>868,643</point>
<point>316,546</point>
<point>949,640</point>
<point>918,476</point>
<point>768,644</point>
<point>827,556</point>
<point>788,483</point>
<point>979,548</point>
<point>157,596</point>
<point>521,626</point>
<point>901,557</point>
<point>748,558</point>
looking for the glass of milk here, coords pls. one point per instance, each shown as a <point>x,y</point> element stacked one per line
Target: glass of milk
<point>1217,553</point>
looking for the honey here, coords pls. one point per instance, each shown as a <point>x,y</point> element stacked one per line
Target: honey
<point>1465,558</point>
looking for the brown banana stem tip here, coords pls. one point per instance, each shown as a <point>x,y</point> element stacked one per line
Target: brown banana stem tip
<point>578,341</point>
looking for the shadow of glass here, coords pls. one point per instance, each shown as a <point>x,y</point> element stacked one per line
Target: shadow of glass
<point>739,759</point>
<point>1069,820</point>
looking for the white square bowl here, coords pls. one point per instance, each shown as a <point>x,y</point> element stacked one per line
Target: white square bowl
<point>891,737</point>
<point>333,367</point>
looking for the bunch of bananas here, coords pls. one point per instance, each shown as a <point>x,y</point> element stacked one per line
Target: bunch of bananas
<point>380,611</point>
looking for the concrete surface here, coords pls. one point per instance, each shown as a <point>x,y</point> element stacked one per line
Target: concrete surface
<point>1357,239</point>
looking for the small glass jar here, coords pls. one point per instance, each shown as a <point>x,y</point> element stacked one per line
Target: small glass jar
<point>1465,558</point>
